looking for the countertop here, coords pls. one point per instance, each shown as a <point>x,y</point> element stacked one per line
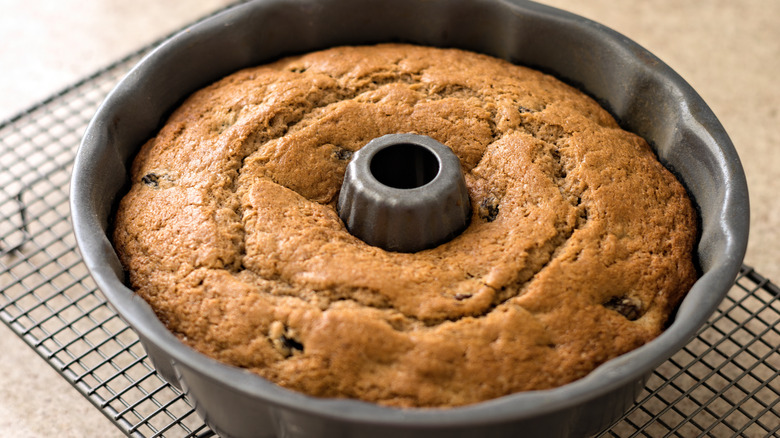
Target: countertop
<point>728,51</point>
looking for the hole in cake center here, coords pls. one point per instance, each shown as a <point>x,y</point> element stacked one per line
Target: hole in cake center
<point>404,166</point>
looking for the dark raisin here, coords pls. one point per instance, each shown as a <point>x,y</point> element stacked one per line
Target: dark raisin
<point>461,297</point>
<point>151,180</point>
<point>488,209</point>
<point>283,339</point>
<point>523,109</point>
<point>629,307</point>
<point>291,343</point>
<point>343,154</point>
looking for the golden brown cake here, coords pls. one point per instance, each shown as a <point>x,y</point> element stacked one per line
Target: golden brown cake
<point>579,248</point>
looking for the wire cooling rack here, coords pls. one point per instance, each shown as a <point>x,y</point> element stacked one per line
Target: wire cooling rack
<point>723,384</point>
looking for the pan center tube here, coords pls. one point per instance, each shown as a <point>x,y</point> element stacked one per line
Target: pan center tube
<point>404,193</point>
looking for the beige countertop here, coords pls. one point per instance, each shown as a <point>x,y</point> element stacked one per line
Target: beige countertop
<point>728,51</point>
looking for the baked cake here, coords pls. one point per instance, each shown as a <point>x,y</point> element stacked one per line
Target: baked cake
<point>578,250</point>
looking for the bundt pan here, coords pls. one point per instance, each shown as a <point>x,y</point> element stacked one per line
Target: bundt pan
<point>644,94</point>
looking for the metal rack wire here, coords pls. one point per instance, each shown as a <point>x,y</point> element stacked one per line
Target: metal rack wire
<point>724,383</point>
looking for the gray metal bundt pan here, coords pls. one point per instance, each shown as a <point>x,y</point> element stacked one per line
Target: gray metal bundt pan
<point>642,92</point>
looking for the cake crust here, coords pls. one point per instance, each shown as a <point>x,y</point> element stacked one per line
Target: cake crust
<point>578,250</point>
